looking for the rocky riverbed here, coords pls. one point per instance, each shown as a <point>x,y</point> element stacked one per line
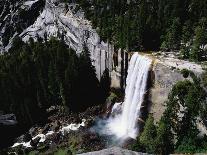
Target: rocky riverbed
<point>62,131</point>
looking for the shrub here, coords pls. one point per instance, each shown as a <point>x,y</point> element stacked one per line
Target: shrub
<point>185,73</point>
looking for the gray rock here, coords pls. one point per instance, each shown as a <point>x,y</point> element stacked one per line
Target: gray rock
<point>15,16</point>
<point>164,79</point>
<point>55,20</point>
<point>114,151</point>
<point>33,131</point>
<point>8,120</point>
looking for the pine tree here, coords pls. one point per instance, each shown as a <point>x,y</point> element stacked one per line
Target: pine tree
<point>147,137</point>
<point>198,43</point>
<point>105,84</point>
<point>174,35</point>
<point>164,140</point>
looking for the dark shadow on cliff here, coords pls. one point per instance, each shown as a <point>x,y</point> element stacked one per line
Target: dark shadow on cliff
<point>147,100</point>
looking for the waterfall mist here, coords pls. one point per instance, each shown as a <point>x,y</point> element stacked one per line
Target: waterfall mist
<point>123,123</point>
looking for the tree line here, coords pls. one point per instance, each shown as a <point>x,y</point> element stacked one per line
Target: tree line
<point>151,25</point>
<point>37,75</point>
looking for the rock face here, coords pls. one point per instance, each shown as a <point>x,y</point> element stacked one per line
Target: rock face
<point>120,67</point>
<point>164,78</point>
<point>166,70</point>
<point>165,73</point>
<point>114,151</point>
<point>61,20</point>
<point>15,16</point>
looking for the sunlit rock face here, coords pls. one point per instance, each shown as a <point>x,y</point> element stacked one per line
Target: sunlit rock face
<point>63,21</point>
<point>166,73</point>
<point>16,16</point>
<point>164,78</point>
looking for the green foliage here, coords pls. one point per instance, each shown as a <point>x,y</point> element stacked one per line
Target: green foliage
<point>172,38</point>
<point>155,139</point>
<point>187,32</point>
<point>74,142</point>
<point>63,152</point>
<point>137,146</point>
<point>163,141</point>
<point>198,52</point>
<point>185,73</point>
<point>36,75</point>
<point>147,25</point>
<point>192,145</point>
<point>56,150</point>
<point>33,153</point>
<point>185,103</point>
<point>204,78</point>
<point>147,137</point>
<point>105,84</point>
<point>177,130</point>
<point>187,146</point>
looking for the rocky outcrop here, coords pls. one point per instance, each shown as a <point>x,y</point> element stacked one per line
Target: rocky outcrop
<point>64,21</point>
<point>164,74</point>
<point>167,72</point>
<point>120,66</point>
<point>8,120</point>
<point>16,16</point>
<point>61,20</point>
<point>114,151</point>
<point>163,80</point>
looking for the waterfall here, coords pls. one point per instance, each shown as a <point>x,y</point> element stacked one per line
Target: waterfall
<point>125,124</point>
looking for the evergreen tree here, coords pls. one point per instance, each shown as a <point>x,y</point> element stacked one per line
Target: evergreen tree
<point>105,84</point>
<point>196,51</point>
<point>37,75</point>
<point>174,34</point>
<point>164,140</point>
<point>144,25</point>
<point>147,137</point>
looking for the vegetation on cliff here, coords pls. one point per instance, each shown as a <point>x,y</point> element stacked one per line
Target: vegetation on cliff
<point>177,130</point>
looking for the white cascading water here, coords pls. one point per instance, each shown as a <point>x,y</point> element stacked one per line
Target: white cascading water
<point>125,124</point>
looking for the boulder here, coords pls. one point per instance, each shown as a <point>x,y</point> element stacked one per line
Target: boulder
<point>33,131</point>
<point>8,120</point>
